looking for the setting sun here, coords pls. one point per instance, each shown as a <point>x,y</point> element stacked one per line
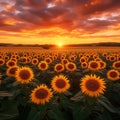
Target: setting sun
<point>60,44</point>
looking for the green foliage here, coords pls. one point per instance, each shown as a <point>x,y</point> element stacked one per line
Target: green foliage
<point>15,103</point>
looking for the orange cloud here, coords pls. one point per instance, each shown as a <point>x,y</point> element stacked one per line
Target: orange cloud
<point>63,19</point>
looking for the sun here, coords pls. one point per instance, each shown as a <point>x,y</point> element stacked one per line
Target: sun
<point>59,44</point>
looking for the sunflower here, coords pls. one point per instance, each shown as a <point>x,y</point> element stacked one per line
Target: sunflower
<point>112,58</point>
<point>83,59</point>
<point>92,85</point>
<point>41,94</point>
<point>48,60</point>
<point>59,67</point>
<point>94,65</point>
<point>108,57</point>
<point>84,65</point>
<point>72,58</point>
<point>6,58</point>
<point>43,65</point>
<point>116,65</point>
<point>60,84</point>
<point>1,57</point>
<point>28,60</point>
<point>118,58</point>
<point>97,59</point>
<point>10,63</point>
<point>17,57</point>
<point>104,54</point>
<point>13,59</point>
<point>102,64</point>
<point>24,75</point>
<point>113,74</point>
<point>11,71</point>
<point>34,61</point>
<point>64,61</point>
<point>24,60</point>
<point>2,62</point>
<point>70,66</point>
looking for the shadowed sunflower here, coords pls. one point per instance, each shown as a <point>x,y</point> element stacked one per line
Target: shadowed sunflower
<point>48,60</point>
<point>92,85</point>
<point>10,63</point>
<point>116,65</point>
<point>102,64</point>
<point>59,67</point>
<point>70,66</point>
<point>94,65</point>
<point>64,61</point>
<point>11,71</point>
<point>43,65</point>
<point>83,59</point>
<point>34,61</point>
<point>41,94</point>
<point>72,58</point>
<point>24,60</point>
<point>84,65</point>
<point>113,74</point>
<point>6,58</point>
<point>60,84</point>
<point>2,62</point>
<point>112,58</point>
<point>24,75</point>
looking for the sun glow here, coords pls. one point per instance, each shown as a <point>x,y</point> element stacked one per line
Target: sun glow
<point>59,44</point>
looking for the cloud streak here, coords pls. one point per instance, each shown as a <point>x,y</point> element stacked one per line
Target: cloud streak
<point>76,18</point>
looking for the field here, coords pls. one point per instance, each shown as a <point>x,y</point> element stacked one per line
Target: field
<point>73,83</point>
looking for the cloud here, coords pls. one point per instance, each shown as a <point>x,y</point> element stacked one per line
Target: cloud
<point>84,16</point>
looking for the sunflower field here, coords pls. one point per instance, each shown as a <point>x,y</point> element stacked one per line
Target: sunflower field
<point>60,84</point>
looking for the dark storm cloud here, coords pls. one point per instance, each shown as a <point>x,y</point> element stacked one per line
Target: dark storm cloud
<point>65,14</point>
<point>99,6</point>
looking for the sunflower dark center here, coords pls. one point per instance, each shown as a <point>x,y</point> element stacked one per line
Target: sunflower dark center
<point>24,60</point>
<point>71,66</point>
<point>117,65</point>
<point>94,65</point>
<point>59,67</point>
<point>34,61</point>
<point>48,60</point>
<point>43,65</point>
<point>24,74</point>
<point>64,61</point>
<point>13,70</point>
<point>1,62</point>
<point>11,63</point>
<point>41,93</point>
<point>60,83</point>
<point>84,65</point>
<point>113,74</point>
<point>72,58</point>
<point>112,58</point>
<point>92,85</point>
<point>82,60</point>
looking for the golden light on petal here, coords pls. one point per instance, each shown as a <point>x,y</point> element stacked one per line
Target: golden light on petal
<point>11,71</point>
<point>60,84</point>
<point>43,65</point>
<point>41,94</point>
<point>59,67</point>
<point>24,75</point>
<point>92,85</point>
<point>113,74</point>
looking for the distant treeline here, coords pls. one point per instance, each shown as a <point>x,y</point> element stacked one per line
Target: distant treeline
<point>47,46</point>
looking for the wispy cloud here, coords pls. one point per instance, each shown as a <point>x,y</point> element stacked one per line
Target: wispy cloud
<point>73,18</point>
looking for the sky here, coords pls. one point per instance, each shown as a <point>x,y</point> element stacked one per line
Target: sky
<point>59,21</point>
